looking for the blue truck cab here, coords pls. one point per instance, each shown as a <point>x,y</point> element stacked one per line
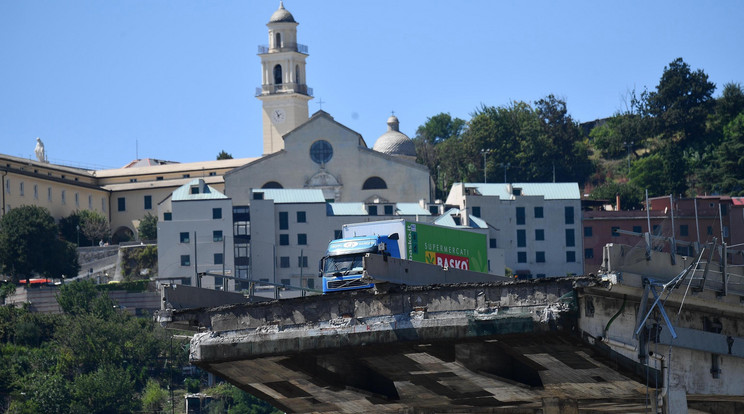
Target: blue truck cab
<point>342,266</point>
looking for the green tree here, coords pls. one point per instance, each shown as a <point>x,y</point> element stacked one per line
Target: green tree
<point>569,153</point>
<point>29,244</point>
<point>681,103</point>
<point>148,227</point>
<point>107,390</point>
<point>725,171</point>
<point>648,173</point>
<point>439,128</point>
<point>153,397</point>
<point>77,297</point>
<point>619,135</point>
<point>224,155</point>
<point>631,197</point>
<point>88,226</point>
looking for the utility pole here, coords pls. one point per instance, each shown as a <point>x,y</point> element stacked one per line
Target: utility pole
<point>628,145</point>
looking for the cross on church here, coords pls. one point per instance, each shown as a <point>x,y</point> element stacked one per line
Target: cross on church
<point>320,102</point>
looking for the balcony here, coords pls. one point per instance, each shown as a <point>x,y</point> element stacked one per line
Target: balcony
<point>287,47</point>
<point>284,88</point>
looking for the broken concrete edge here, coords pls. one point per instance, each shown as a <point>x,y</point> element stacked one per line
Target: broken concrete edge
<point>213,347</point>
<point>356,318</point>
<point>286,311</point>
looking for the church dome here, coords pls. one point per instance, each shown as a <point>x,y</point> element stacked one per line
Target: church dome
<point>281,15</point>
<point>394,142</point>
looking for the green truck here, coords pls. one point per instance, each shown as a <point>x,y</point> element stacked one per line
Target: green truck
<point>341,267</point>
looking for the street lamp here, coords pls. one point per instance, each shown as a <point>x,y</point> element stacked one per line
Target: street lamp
<point>485,152</point>
<point>505,165</point>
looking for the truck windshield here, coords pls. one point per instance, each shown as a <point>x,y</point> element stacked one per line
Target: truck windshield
<point>343,265</point>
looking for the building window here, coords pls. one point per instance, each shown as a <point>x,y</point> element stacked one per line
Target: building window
<point>521,238</point>
<point>90,202</point>
<point>121,204</point>
<point>7,186</point>
<point>216,213</point>
<point>657,230</point>
<point>278,74</point>
<point>132,180</point>
<point>301,239</point>
<point>539,234</point>
<point>388,210</point>
<point>301,261</point>
<point>167,216</point>
<point>301,217</point>
<point>569,213</point>
<point>64,198</point>
<point>321,151</point>
<point>570,238</point>
<point>148,202</point>
<point>637,229</point>
<point>538,212</point>
<point>374,183</point>
<point>217,235</point>
<point>103,204</point>
<point>434,210</point>
<point>337,234</point>
<point>184,236</point>
<point>284,239</point>
<point>49,194</point>
<point>614,231</point>
<point>20,188</point>
<point>186,176</point>
<point>283,220</point>
<point>589,253</point>
<point>540,257</point>
<point>476,212</point>
<point>77,200</point>
<point>684,230</point>
<point>372,210</point>
<point>521,257</point>
<point>36,192</point>
<point>492,243</point>
<point>185,260</point>
<point>284,262</point>
<point>218,258</point>
<point>520,215</point>
<point>286,282</point>
<point>710,230</point>
<point>159,178</point>
<point>570,256</point>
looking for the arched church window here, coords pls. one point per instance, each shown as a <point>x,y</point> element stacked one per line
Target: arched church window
<point>278,40</point>
<point>272,184</point>
<point>374,183</point>
<point>321,151</point>
<point>278,74</point>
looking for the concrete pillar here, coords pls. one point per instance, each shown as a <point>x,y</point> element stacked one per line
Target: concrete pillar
<point>675,402</point>
<point>559,406</point>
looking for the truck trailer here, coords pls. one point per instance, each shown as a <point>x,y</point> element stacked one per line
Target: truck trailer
<point>342,266</point>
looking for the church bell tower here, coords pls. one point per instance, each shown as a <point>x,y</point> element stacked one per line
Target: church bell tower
<point>283,91</point>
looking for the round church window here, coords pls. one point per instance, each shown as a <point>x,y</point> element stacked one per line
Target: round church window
<point>321,151</point>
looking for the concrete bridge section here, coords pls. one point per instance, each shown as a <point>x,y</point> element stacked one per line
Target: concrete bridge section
<point>500,347</point>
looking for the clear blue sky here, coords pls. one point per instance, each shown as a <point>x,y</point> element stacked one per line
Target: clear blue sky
<point>102,81</point>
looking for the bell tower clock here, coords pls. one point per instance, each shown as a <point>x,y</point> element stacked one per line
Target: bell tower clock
<point>283,90</point>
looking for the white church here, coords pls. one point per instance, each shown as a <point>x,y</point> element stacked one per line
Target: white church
<point>307,160</point>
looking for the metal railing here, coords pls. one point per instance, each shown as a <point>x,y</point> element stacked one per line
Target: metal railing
<point>286,47</point>
<point>284,88</point>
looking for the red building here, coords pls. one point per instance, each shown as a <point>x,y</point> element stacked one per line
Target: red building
<point>691,223</point>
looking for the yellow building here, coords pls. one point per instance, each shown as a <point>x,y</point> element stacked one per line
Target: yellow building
<point>124,195</point>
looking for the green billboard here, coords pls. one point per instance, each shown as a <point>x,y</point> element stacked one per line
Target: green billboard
<point>446,247</point>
